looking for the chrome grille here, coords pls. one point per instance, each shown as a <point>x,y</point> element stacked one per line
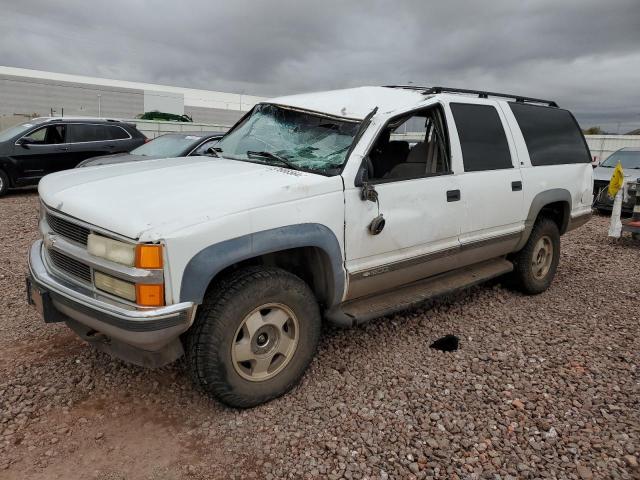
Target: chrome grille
<point>71,266</point>
<point>68,229</point>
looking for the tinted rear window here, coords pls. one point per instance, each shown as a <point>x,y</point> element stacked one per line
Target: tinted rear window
<point>482,138</point>
<point>117,133</point>
<point>552,135</point>
<point>87,133</point>
<point>94,132</point>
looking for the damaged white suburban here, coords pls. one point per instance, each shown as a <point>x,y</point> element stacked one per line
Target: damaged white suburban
<point>340,206</point>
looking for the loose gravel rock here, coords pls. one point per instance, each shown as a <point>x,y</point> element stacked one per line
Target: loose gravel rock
<point>541,387</point>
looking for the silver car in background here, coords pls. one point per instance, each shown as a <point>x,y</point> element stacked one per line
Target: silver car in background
<point>629,157</point>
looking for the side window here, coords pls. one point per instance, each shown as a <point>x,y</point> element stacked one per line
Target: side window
<point>37,136</point>
<point>411,146</point>
<point>202,149</point>
<point>116,133</point>
<point>482,138</point>
<point>552,135</point>
<point>78,132</point>
<point>50,135</point>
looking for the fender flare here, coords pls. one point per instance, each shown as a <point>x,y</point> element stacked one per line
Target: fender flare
<point>211,260</point>
<point>538,203</point>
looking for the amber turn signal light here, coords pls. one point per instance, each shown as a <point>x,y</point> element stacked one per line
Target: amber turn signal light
<point>149,295</point>
<point>149,256</point>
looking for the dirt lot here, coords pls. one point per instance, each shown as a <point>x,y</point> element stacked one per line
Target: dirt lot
<point>541,387</point>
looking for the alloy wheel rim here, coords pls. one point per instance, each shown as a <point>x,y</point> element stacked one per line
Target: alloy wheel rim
<point>542,257</point>
<point>265,342</point>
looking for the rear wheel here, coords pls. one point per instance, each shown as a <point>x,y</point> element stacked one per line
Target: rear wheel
<point>254,336</point>
<point>536,264</point>
<point>4,182</point>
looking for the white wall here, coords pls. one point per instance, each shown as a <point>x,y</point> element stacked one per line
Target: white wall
<point>602,146</point>
<point>167,102</point>
<point>154,128</point>
<point>192,96</point>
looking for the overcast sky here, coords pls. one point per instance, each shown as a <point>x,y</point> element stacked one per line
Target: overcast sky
<point>583,53</point>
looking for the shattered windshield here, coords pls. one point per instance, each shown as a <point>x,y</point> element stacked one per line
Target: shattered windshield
<point>291,139</point>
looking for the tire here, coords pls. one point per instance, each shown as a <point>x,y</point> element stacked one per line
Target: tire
<point>4,183</point>
<point>243,317</point>
<point>530,274</point>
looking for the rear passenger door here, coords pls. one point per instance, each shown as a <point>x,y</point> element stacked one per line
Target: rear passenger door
<point>89,140</point>
<point>491,184</point>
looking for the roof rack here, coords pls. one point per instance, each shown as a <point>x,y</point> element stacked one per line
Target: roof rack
<point>479,93</point>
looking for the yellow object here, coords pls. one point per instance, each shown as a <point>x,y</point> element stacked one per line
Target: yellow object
<point>149,295</point>
<point>149,256</point>
<point>617,180</point>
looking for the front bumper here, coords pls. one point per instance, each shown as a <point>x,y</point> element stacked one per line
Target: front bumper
<point>152,334</point>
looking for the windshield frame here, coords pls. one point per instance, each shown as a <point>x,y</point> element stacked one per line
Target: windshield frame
<point>245,118</point>
<point>28,127</point>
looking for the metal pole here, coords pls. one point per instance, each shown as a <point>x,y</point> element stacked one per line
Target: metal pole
<point>99,105</point>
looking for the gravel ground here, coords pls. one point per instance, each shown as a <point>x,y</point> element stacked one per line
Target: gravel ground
<point>541,387</point>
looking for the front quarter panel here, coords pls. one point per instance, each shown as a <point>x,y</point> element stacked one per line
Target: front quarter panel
<point>197,253</point>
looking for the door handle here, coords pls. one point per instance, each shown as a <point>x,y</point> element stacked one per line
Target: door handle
<point>110,145</point>
<point>516,186</point>
<point>453,195</point>
<point>64,149</point>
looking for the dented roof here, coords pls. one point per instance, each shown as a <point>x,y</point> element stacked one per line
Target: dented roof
<point>353,103</point>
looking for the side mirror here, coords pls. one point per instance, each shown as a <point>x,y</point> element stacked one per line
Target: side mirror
<point>362,176</point>
<point>212,151</point>
<point>24,142</point>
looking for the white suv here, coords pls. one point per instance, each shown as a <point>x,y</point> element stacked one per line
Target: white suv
<point>345,205</point>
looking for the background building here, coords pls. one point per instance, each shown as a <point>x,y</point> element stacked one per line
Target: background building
<point>29,93</point>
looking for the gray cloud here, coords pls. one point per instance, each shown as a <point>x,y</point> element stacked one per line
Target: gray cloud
<point>583,53</point>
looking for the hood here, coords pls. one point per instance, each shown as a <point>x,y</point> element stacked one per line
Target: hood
<point>604,174</point>
<point>144,200</point>
<point>114,158</point>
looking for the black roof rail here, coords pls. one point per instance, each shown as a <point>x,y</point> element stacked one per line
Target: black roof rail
<point>479,93</point>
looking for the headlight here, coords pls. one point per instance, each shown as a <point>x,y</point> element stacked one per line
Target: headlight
<point>115,286</point>
<point>113,250</point>
<point>143,256</point>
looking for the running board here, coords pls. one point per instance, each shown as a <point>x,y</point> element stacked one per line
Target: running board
<point>360,310</point>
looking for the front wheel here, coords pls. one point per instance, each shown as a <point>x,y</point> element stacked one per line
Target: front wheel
<point>536,264</point>
<point>4,183</point>
<point>254,336</point>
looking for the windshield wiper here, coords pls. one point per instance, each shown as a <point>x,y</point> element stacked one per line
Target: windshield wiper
<point>273,156</point>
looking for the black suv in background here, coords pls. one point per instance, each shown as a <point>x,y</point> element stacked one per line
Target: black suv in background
<point>33,149</point>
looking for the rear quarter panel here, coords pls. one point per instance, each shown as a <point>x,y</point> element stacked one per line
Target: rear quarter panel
<point>576,178</point>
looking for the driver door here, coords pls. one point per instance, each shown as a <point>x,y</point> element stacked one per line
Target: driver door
<point>419,198</point>
<point>44,153</point>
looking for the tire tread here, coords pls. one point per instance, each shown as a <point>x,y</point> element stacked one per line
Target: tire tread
<point>207,329</point>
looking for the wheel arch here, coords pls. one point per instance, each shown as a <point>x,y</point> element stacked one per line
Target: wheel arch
<point>9,170</point>
<point>309,250</point>
<point>554,204</point>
